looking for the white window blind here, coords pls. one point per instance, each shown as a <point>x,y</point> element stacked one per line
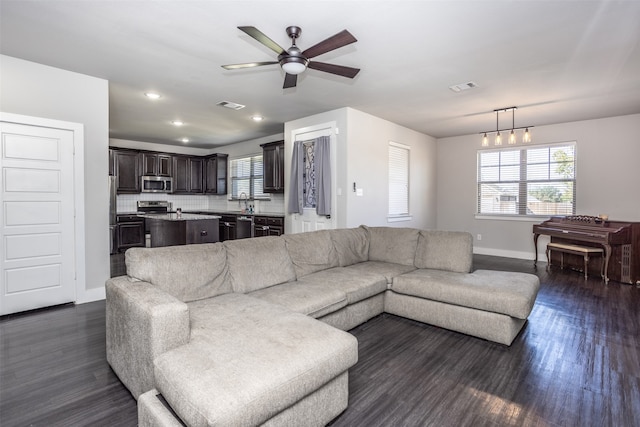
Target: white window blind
<point>538,180</point>
<point>247,177</point>
<point>398,180</point>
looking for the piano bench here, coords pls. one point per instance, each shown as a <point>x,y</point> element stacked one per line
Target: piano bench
<point>584,251</point>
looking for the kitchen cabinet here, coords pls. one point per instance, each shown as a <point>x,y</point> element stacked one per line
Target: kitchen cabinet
<point>268,226</point>
<point>273,163</point>
<point>202,231</point>
<point>130,232</point>
<point>227,227</point>
<point>188,175</point>
<point>125,165</point>
<point>216,174</point>
<point>156,164</point>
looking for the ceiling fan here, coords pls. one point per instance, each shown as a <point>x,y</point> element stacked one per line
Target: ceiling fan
<point>294,61</point>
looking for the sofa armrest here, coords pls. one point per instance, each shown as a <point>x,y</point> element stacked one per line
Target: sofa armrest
<point>142,322</point>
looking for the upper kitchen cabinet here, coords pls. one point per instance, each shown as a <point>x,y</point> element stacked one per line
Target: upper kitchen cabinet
<point>273,162</point>
<point>216,174</point>
<point>125,165</point>
<point>156,164</point>
<point>188,175</point>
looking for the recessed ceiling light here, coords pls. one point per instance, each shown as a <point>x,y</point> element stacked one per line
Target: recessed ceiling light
<point>152,95</point>
<point>177,122</point>
<point>257,118</point>
<point>185,140</point>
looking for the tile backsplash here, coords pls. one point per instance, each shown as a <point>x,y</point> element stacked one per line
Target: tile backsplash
<point>127,202</point>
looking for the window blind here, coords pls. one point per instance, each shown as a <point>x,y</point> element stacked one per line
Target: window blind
<point>398,179</point>
<point>247,177</point>
<point>538,180</point>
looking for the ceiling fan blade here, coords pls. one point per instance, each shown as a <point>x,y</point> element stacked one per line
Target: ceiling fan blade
<point>262,38</point>
<point>340,70</point>
<point>247,65</point>
<point>343,38</point>
<point>290,80</point>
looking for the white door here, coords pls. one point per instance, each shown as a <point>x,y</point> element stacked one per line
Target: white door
<point>36,217</point>
<point>309,220</point>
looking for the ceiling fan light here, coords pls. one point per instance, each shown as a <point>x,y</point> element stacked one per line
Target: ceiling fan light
<point>293,68</point>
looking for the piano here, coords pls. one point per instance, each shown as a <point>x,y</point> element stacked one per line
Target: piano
<point>620,241</point>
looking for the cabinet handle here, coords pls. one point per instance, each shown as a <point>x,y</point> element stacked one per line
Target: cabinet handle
<point>204,233</point>
<point>265,228</point>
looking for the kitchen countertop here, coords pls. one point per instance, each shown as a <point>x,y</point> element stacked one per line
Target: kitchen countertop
<point>207,213</point>
<point>176,217</point>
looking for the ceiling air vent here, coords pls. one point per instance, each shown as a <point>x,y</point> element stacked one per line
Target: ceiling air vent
<point>463,86</point>
<point>231,105</point>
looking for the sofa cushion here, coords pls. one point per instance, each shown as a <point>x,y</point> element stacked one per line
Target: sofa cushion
<point>311,252</point>
<point>313,300</point>
<point>393,244</point>
<point>445,250</point>
<point>248,360</point>
<point>188,272</point>
<point>258,263</point>
<point>357,285</point>
<point>352,245</point>
<point>501,292</point>
<point>386,269</point>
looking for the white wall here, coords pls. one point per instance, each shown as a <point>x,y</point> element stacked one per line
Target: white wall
<point>37,90</point>
<point>367,166</point>
<point>607,174</point>
<point>362,148</point>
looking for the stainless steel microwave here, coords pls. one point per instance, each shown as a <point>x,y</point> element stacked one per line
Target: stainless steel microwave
<point>157,184</point>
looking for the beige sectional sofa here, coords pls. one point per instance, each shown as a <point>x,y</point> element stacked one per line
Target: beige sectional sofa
<point>251,332</point>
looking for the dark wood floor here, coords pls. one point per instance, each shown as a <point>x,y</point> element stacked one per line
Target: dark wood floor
<point>576,363</point>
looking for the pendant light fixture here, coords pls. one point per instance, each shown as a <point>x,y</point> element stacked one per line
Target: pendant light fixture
<point>526,136</point>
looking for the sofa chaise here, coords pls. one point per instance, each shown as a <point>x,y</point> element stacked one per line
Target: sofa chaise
<point>252,331</point>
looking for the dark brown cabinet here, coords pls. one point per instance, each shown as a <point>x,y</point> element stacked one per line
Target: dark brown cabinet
<point>156,164</point>
<point>188,175</point>
<point>273,163</point>
<point>216,174</point>
<point>202,231</point>
<point>268,226</point>
<point>227,227</point>
<point>130,232</point>
<point>125,165</point>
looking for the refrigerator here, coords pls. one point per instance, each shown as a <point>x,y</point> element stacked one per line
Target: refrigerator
<point>113,224</point>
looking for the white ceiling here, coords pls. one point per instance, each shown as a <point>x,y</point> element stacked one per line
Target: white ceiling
<point>558,61</point>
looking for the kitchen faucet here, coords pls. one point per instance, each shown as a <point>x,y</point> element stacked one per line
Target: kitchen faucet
<point>246,199</point>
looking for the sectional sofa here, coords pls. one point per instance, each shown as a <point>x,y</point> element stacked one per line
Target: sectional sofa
<point>251,332</point>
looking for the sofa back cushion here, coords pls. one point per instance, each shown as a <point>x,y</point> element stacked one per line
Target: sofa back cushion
<point>352,245</point>
<point>189,273</point>
<point>445,250</point>
<point>310,252</point>
<point>391,244</point>
<point>258,263</point>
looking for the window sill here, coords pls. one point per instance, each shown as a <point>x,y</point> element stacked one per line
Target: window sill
<point>399,218</point>
<point>527,218</point>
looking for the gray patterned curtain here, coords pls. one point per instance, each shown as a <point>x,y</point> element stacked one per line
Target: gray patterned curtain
<point>323,175</point>
<point>296,184</point>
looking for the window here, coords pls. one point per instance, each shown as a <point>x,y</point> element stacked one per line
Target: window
<point>537,180</point>
<point>247,177</point>
<point>398,180</point>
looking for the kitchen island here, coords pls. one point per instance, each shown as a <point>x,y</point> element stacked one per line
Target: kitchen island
<point>172,229</point>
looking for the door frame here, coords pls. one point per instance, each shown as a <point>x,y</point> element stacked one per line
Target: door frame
<point>82,294</point>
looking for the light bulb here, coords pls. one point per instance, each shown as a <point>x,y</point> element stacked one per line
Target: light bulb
<point>498,139</point>
<point>512,137</point>
<point>526,137</point>
<point>485,140</point>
